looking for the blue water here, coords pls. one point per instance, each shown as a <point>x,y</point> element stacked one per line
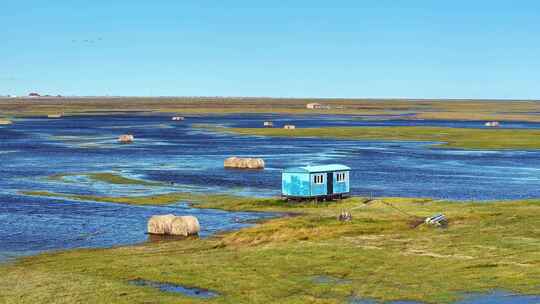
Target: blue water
<point>33,224</point>
<point>193,292</point>
<point>192,159</point>
<point>496,297</point>
<point>500,297</point>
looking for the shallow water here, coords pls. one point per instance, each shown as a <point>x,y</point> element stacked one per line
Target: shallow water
<point>174,288</point>
<point>496,297</point>
<point>33,224</point>
<point>500,297</point>
<point>32,149</point>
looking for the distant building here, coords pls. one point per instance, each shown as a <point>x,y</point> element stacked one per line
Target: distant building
<point>314,105</point>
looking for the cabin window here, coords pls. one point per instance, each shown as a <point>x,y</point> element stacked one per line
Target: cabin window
<point>318,179</point>
<point>340,177</point>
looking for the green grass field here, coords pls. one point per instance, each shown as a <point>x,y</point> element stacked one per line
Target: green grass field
<point>376,255</point>
<point>464,138</point>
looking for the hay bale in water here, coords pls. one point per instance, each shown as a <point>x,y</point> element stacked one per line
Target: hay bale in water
<point>5,121</point>
<point>268,124</point>
<point>492,124</point>
<point>54,115</point>
<point>178,118</point>
<point>173,225</point>
<point>160,224</point>
<point>185,225</point>
<point>126,139</point>
<point>244,163</point>
<point>289,127</point>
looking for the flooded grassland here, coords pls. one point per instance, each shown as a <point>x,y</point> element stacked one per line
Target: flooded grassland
<point>68,184</point>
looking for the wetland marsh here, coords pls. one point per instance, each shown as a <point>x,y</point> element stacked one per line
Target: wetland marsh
<point>68,184</point>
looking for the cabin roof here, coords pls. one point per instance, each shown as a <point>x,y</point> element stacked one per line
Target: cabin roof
<point>316,169</point>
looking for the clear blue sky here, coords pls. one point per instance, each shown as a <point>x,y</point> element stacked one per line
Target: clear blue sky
<point>417,49</point>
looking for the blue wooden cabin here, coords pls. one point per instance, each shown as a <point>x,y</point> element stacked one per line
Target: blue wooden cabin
<point>315,182</point>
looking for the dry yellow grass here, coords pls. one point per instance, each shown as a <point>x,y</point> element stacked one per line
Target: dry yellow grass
<point>424,109</point>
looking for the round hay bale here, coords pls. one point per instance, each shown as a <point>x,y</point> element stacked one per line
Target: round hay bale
<point>255,163</point>
<point>160,224</point>
<point>4,121</point>
<point>126,138</point>
<point>173,225</point>
<point>185,225</point>
<point>231,162</point>
<point>244,163</point>
<point>178,227</point>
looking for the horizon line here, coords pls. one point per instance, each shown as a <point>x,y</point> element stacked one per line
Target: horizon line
<point>263,97</point>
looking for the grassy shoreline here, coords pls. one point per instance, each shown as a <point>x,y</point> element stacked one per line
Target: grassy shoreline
<point>487,246</point>
<point>106,177</point>
<point>156,199</point>
<point>463,138</point>
<point>4,122</point>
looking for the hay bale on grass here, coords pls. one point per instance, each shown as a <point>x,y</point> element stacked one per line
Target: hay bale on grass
<point>173,225</point>
<point>244,163</point>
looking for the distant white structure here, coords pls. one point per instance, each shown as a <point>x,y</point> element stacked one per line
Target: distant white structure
<point>177,118</point>
<point>492,124</point>
<point>313,105</point>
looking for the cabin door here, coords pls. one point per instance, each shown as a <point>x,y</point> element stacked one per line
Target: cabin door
<point>329,183</point>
